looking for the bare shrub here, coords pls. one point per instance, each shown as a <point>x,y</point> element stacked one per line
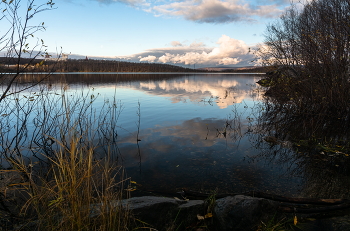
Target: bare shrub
<point>310,46</point>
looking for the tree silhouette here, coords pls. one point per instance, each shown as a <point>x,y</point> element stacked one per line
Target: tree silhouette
<point>18,39</point>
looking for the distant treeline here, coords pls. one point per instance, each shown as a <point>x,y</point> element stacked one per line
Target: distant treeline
<point>264,69</point>
<point>94,65</point>
<point>100,78</point>
<point>91,65</point>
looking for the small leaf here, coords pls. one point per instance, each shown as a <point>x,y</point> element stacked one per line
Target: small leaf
<point>295,220</point>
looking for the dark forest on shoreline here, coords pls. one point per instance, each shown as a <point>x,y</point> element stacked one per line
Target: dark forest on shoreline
<point>93,65</point>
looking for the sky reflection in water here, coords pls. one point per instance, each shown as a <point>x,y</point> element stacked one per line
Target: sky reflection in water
<point>196,131</point>
<point>183,140</point>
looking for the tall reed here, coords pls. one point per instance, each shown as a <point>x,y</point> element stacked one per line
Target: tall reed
<point>59,162</point>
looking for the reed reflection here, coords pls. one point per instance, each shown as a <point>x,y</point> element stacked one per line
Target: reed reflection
<point>200,154</point>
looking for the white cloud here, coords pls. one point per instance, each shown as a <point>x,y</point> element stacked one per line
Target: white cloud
<point>150,58</point>
<point>229,51</point>
<point>197,44</point>
<point>176,44</point>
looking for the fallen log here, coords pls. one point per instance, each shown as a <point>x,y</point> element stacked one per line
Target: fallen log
<point>312,201</point>
<point>329,208</point>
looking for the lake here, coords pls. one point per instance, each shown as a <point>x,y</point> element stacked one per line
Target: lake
<point>196,131</point>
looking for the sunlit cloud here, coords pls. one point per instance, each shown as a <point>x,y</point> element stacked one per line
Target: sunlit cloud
<point>150,58</point>
<point>229,51</point>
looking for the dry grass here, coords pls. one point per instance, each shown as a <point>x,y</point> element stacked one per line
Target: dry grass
<point>63,175</point>
<point>78,192</point>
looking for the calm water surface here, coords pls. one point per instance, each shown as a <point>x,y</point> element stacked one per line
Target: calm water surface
<point>197,131</point>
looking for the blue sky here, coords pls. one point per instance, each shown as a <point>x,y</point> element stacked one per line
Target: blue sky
<point>184,32</point>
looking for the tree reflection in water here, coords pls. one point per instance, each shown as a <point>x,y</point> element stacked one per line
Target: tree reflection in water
<point>316,146</point>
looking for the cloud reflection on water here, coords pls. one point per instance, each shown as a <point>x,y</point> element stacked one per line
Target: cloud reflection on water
<point>195,154</point>
<point>202,143</point>
<point>223,91</point>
